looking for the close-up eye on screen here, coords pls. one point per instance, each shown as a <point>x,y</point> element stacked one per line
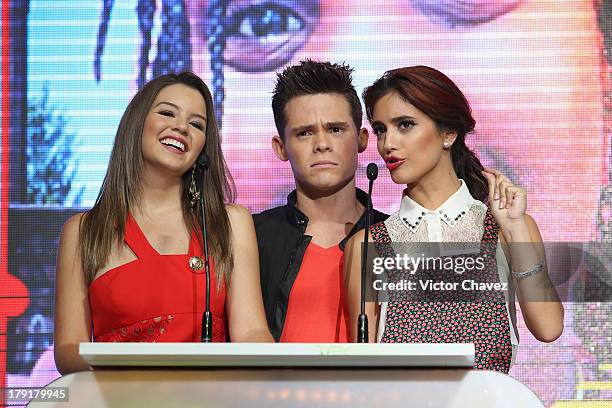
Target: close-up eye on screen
<point>264,36</point>
<point>84,131</point>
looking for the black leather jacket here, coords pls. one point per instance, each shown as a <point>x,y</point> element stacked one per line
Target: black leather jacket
<point>282,244</point>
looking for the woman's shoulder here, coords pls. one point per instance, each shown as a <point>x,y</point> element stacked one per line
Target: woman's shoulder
<point>239,217</point>
<point>70,238</point>
<point>358,236</point>
<point>237,211</point>
<point>73,225</point>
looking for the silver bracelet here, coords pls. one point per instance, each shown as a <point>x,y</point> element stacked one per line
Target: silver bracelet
<point>537,268</point>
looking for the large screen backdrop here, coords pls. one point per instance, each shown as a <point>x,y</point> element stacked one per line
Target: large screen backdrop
<point>537,75</point>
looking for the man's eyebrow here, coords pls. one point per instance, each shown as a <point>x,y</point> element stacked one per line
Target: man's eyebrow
<point>177,108</point>
<point>337,124</point>
<point>302,128</point>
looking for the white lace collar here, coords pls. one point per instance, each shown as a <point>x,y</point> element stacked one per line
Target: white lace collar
<point>453,209</point>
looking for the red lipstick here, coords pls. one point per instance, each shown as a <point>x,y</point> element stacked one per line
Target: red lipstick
<point>394,162</point>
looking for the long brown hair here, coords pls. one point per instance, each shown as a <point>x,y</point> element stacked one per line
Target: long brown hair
<point>120,190</point>
<point>434,94</point>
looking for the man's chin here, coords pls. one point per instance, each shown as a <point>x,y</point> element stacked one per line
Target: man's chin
<point>324,185</point>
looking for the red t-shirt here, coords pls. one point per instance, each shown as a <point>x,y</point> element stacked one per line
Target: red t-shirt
<point>316,312</point>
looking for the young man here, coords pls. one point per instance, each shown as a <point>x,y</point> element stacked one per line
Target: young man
<point>318,117</point>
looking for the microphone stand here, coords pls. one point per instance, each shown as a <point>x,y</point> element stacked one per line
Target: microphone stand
<point>207,322</point>
<point>362,320</point>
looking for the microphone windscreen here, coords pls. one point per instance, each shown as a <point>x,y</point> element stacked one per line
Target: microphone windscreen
<point>203,161</point>
<point>372,171</point>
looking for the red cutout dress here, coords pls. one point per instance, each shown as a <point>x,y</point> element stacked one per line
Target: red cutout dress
<point>155,298</point>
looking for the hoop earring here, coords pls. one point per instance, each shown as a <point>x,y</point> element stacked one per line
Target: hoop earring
<point>194,194</point>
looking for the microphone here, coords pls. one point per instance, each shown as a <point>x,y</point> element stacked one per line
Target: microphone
<point>203,161</point>
<point>362,320</point>
<point>207,322</point>
<point>372,173</point>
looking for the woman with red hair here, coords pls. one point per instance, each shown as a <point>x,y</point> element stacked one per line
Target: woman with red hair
<point>421,119</point>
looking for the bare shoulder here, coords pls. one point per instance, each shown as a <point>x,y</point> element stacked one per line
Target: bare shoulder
<point>71,228</point>
<point>68,255</point>
<point>75,221</point>
<point>240,218</point>
<point>354,243</point>
<point>238,214</point>
<point>358,237</point>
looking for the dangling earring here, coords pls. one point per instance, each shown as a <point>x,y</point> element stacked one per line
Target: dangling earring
<point>194,194</point>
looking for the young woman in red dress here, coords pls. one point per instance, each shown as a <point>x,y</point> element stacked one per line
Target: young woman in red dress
<point>421,119</point>
<point>130,269</point>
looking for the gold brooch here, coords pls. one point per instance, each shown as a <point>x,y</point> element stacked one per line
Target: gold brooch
<point>196,263</point>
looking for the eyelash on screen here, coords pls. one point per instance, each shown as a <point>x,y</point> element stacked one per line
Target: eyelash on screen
<point>269,32</point>
<point>276,19</point>
<point>471,13</point>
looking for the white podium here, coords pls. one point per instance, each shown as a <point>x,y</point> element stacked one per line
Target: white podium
<point>277,355</point>
<point>287,375</point>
